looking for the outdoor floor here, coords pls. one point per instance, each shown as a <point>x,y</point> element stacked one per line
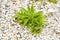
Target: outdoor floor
<point>11,30</point>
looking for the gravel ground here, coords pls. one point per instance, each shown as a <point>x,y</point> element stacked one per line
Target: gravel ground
<point>10,30</point>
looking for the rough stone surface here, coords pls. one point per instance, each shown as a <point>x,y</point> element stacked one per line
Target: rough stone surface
<point>11,30</point>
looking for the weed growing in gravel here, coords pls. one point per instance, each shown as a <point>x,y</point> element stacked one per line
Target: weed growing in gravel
<point>53,1</point>
<point>33,20</point>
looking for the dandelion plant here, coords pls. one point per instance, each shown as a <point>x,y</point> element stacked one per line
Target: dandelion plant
<point>30,18</point>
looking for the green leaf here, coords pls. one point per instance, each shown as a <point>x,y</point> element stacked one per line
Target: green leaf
<point>26,21</point>
<point>53,1</point>
<point>41,0</point>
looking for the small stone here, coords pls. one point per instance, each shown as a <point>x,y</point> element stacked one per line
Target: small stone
<point>13,0</point>
<point>57,31</point>
<point>14,7</point>
<point>14,20</point>
<point>50,14</point>
<point>12,24</point>
<point>51,10</point>
<point>44,3</point>
<point>18,35</point>
<point>0,11</point>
